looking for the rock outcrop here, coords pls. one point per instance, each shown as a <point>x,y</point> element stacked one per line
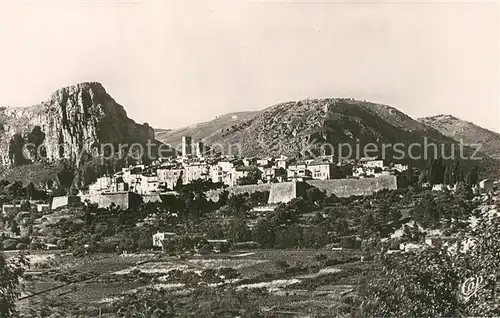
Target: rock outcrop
<point>77,118</point>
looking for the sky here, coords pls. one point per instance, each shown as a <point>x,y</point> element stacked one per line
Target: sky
<point>173,64</point>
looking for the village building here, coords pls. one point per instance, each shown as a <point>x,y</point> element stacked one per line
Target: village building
<point>43,207</point>
<point>147,184</point>
<point>273,174</point>
<point>282,162</point>
<point>101,184</point>
<point>237,173</point>
<point>195,171</point>
<point>299,175</point>
<point>169,177</point>
<point>323,170</point>
<point>371,162</point>
<point>160,237</point>
<point>299,167</point>
<point>400,167</point>
<point>264,162</point>
<point>249,161</point>
<point>486,185</point>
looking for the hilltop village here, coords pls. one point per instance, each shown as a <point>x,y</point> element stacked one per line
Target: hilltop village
<point>167,174</point>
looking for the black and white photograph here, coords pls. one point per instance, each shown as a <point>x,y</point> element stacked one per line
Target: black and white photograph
<point>249,158</point>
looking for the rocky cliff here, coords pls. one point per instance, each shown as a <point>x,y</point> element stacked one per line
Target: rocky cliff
<point>77,118</point>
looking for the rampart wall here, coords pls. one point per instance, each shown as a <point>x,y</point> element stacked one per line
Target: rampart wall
<point>340,187</point>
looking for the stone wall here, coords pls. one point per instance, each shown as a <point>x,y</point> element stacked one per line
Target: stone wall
<point>348,187</point>
<point>11,209</point>
<point>251,188</point>
<point>105,200</point>
<point>286,191</point>
<point>58,202</point>
<point>339,187</point>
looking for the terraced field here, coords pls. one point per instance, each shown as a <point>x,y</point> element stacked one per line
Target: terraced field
<point>294,280</point>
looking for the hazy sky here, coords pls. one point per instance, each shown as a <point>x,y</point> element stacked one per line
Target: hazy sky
<point>174,64</point>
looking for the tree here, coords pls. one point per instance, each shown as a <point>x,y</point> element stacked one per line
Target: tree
<point>14,189</point>
<point>178,183</point>
<point>457,175</point>
<point>426,212</point>
<point>471,178</point>
<point>65,176</point>
<point>15,228</point>
<point>10,275</point>
<point>447,175</point>
<point>25,206</point>
<point>252,177</point>
<point>264,234</point>
<point>238,230</point>
<point>436,171</point>
<point>315,195</point>
<point>463,192</point>
<point>422,178</point>
<point>422,284</point>
<point>427,282</point>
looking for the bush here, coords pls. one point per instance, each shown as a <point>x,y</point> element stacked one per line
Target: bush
<point>21,246</point>
<point>320,257</point>
<point>95,238</point>
<point>205,249</point>
<point>281,264</point>
<point>62,243</point>
<point>35,246</point>
<point>10,244</point>
<point>228,272</point>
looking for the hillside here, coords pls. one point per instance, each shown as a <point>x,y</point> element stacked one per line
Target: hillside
<point>470,133</point>
<point>283,128</point>
<point>210,130</point>
<point>293,127</point>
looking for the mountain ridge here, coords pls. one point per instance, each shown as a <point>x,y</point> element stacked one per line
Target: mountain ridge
<point>459,129</point>
<point>286,127</point>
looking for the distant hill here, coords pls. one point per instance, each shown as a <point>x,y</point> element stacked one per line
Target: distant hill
<point>283,128</point>
<point>212,130</point>
<point>288,127</point>
<point>470,133</point>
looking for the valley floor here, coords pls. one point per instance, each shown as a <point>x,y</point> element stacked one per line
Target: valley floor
<point>294,282</point>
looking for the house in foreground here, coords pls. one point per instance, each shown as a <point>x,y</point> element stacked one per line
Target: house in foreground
<point>160,237</point>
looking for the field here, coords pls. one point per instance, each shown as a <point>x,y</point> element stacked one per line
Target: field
<point>298,282</point>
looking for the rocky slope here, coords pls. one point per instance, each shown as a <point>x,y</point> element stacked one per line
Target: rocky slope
<point>78,117</point>
<point>284,128</point>
<point>210,130</point>
<point>470,133</point>
<point>292,127</point>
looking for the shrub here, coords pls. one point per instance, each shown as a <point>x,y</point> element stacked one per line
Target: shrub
<point>281,264</point>
<point>21,246</point>
<point>10,244</point>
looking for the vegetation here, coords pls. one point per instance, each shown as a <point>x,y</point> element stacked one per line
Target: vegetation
<point>10,273</point>
<point>419,283</point>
